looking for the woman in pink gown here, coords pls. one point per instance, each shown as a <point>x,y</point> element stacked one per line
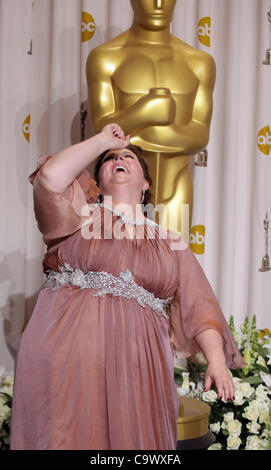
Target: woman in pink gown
<point>95,364</point>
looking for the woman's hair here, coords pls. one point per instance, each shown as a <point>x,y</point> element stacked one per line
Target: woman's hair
<point>138,151</point>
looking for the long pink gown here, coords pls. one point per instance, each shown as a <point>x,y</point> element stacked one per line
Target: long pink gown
<point>96,371</point>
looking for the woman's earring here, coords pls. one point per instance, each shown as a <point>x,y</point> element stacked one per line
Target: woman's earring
<point>143,196</point>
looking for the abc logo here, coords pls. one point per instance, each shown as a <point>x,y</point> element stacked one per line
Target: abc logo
<point>197,239</point>
<point>26,128</point>
<point>88,26</point>
<point>204,31</point>
<point>264,140</point>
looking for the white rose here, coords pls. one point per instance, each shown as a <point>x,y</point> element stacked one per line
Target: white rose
<point>216,446</point>
<point>251,412</point>
<point>252,443</point>
<point>228,416</point>
<point>215,427</point>
<point>265,433</point>
<point>261,392</point>
<point>264,417</point>
<point>263,405</point>
<point>256,443</point>
<point>246,389</point>
<point>234,427</point>
<point>236,380</point>
<point>253,427</point>
<point>210,396</point>
<point>238,398</point>
<point>233,442</point>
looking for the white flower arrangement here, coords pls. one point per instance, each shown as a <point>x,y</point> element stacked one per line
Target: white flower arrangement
<point>6,392</point>
<point>242,424</point>
<point>245,423</point>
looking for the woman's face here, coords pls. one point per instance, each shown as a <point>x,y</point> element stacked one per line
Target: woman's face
<point>121,167</point>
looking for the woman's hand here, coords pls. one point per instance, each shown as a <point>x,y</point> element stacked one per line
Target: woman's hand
<point>219,374</point>
<point>114,137</point>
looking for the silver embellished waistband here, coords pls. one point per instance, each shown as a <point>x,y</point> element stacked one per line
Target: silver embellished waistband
<point>123,285</point>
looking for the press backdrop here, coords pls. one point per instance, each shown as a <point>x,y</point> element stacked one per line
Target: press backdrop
<point>43,50</point>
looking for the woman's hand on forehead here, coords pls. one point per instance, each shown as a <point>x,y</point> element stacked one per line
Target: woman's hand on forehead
<point>114,137</point>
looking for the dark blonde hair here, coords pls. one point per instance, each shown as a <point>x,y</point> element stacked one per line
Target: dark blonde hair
<point>139,153</point>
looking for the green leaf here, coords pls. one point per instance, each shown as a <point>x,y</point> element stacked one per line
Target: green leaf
<point>178,368</point>
<point>5,395</point>
<point>254,379</point>
<point>263,351</point>
<point>237,373</point>
<point>9,399</point>
<point>259,367</point>
<point>178,376</point>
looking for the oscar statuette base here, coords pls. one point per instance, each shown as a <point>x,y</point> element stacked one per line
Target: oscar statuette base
<point>192,425</point>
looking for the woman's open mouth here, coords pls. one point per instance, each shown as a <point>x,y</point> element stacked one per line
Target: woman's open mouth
<point>119,168</point>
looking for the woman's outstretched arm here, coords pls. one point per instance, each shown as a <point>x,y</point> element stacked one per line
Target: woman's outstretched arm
<point>59,172</point>
<point>210,342</point>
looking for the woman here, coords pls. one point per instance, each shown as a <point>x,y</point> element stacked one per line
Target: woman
<point>95,365</point>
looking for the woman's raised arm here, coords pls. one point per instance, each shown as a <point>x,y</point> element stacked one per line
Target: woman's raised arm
<point>59,172</point>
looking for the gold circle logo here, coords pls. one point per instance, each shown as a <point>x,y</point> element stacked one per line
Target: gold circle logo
<point>87,26</point>
<point>264,140</point>
<point>26,128</point>
<point>197,239</point>
<point>204,31</point>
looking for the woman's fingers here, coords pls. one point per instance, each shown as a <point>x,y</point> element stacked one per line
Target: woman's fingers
<point>117,131</point>
<point>229,387</point>
<point>125,141</point>
<point>116,136</point>
<point>227,393</point>
<point>232,391</point>
<point>219,387</point>
<point>114,129</point>
<point>226,388</point>
<point>223,382</point>
<point>208,383</point>
<point>122,139</point>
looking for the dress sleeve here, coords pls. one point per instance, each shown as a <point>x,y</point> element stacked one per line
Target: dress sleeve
<point>59,214</point>
<point>195,309</point>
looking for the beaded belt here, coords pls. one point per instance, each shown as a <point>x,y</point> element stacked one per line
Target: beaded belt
<point>123,285</point>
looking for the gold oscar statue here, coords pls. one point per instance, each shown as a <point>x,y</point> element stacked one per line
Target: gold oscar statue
<point>159,90</point>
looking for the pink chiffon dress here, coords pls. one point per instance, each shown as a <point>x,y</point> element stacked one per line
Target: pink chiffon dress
<point>95,367</point>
